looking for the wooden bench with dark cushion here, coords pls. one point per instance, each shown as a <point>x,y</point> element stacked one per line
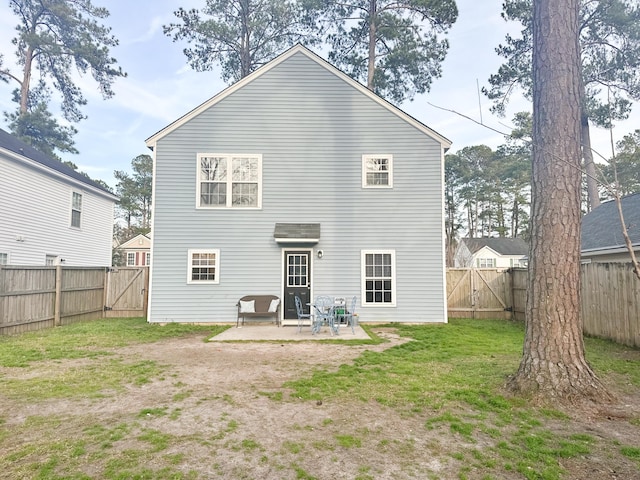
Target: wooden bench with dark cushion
<point>261,304</point>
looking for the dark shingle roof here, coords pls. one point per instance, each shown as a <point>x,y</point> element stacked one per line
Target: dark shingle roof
<point>15,145</point>
<point>503,246</point>
<point>601,228</point>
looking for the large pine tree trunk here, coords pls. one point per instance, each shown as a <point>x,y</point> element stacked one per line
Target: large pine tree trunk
<point>553,365</point>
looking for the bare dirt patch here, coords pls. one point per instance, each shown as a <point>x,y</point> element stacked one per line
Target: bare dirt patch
<point>219,411</point>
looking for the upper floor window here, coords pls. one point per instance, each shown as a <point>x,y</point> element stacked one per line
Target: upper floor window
<point>76,209</point>
<point>204,266</point>
<point>377,171</point>
<point>229,181</point>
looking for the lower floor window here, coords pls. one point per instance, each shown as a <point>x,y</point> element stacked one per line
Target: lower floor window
<point>131,259</point>
<point>204,266</point>
<point>378,277</point>
<point>4,258</point>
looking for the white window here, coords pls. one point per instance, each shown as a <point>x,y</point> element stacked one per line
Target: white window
<point>229,181</point>
<point>4,259</point>
<point>204,266</point>
<point>76,209</point>
<point>379,277</point>
<point>131,259</point>
<point>50,260</point>
<point>377,171</point>
<point>486,262</point>
<point>148,258</point>
<point>519,262</point>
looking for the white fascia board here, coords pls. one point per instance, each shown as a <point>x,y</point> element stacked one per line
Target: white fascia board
<point>610,250</point>
<point>152,140</point>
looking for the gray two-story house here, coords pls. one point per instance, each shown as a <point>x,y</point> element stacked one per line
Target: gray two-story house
<point>297,180</point>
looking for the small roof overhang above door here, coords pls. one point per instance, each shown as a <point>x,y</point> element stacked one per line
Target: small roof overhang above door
<point>297,233</point>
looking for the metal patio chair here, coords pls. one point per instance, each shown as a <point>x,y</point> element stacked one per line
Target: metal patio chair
<point>349,313</point>
<point>302,317</point>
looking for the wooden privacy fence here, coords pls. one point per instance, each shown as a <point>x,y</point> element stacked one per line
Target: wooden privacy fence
<point>32,298</point>
<point>611,302</point>
<point>610,298</point>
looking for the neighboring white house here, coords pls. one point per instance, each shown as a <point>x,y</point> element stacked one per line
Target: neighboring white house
<point>136,251</point>
<point>297,181</point>
<point>50,213</point>
<point>491,253</point>
<point>602,239</point>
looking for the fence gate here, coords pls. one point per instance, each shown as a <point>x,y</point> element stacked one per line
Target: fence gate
<point>127,292</point>
<point>479,293</point>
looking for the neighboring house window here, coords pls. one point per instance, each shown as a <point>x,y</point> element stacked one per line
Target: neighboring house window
<point>76,209</point>
<point>131,259</point>
<point>378,277</point>
<point>4,259</point>
<point>204,266</point>
<point>377,171</point>
<point>148,258</point>
<point>519,262</point>
<point>50,260</point>
<point>486,262</point>
<point>229,181</point>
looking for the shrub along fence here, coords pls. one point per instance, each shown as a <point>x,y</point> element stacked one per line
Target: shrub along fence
<point>32,298</point>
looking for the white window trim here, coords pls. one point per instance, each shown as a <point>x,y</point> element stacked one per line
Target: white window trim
<point>7,258</point>
<point>258,156</point>
<point>190,253</point>
<point>73,192</point>
<point>486,260</point>
<point>131,264</point>
<point>364,170</point>
<point>363,277</point>
<point>147,258</point>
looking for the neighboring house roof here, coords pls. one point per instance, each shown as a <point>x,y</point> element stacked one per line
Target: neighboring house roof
<point>138,242</point>
<point>502,246</point>
<point>13,146</point>
<point>151,141</point>
<point>602,230</point>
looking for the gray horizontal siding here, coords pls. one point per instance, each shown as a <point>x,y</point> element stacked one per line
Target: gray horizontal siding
<point>37,207</point>
<point>312,129</point>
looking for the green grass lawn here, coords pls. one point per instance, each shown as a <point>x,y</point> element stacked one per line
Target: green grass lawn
<point>449,376</point>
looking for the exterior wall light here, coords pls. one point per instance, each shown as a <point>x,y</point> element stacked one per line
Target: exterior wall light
<point>320,253</point>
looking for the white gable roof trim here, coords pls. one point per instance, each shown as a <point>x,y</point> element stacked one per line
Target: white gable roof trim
<point>152,140</point>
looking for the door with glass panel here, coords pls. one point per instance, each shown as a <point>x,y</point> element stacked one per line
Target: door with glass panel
<point>297,281</point>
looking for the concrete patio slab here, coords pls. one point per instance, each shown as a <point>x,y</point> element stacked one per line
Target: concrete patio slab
<point>288,333</point>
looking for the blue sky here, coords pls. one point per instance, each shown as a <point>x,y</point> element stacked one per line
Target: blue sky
<point>160,87</point>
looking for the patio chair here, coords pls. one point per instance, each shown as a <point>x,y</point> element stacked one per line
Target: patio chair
<point>339,310</point>
<point>323,308</point>
<point>301,315</point>
<point>349,313</point>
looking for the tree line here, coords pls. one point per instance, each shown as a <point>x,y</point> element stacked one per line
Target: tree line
<point>488,192</point>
